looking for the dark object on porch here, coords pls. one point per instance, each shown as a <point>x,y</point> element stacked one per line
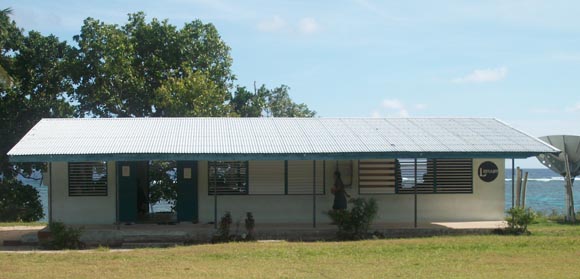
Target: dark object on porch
<point>354,224</point>
<point>340,202</point>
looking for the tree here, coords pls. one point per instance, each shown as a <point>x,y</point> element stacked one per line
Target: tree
<point>39,84</point>
<point>6,29</point>
<point>192,95</point>
<point>248,104</point>
<point>119,71</point>
<point>281,105</point>
<point>19,203</point>
<point>268,102</point>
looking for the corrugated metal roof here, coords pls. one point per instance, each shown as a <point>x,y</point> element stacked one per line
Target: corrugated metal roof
<point>272,138</point>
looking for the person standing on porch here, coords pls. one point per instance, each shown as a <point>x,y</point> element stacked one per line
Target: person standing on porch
<point>339,192</point>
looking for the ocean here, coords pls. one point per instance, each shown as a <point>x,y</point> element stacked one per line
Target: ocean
<point>545,192</point>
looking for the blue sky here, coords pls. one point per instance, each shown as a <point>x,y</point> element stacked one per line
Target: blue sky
<point>518,61</point>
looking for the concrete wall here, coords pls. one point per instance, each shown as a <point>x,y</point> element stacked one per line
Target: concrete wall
<point>81,210</point>
<point>486,203</point>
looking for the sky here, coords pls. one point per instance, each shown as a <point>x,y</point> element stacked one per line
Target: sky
<point>518,60</point>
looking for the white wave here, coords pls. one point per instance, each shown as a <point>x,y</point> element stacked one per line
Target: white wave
<point>542,179</point>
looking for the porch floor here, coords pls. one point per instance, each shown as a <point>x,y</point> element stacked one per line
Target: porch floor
<point>144,235</point>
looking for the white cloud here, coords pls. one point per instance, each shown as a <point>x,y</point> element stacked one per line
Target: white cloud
<point>308,25</point>
<point>483,75</point>
<point>567,57</point>
<point>574,108</point>
<point>397,106</point>
<point>392,104</point>
<point>420,106</point>
<point>273,24</point>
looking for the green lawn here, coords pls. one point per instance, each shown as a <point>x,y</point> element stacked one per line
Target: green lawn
<point>553,251</point>
<point>24,224</point>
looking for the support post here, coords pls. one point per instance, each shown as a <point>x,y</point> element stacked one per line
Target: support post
<point>215,196</point>
<point>50,193</point>
<point>117,214</point>
<point>513,182</point>
<point>314,193</point>
<point>518,186</point>
<point>570,214</point>
<point>524,187</point>
<point>415,196</point>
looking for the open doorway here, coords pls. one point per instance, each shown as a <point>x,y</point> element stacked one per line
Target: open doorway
<point>161,193</point>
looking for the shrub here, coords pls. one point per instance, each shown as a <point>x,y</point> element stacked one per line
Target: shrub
<point>223,231</point>
<point>18,202</point>
<point>518,220</point>
<point>250,225</point>
<point>354,224</point>
<point>63,237</point>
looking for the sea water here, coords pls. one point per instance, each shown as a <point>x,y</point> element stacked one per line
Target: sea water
<point>545,192</point>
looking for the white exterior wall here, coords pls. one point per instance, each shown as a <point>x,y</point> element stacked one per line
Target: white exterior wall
<point>81,210</point>
<point>486,203</point>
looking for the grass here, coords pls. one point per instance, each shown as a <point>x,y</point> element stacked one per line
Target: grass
<point>24,224</point>
<point>552,251</point>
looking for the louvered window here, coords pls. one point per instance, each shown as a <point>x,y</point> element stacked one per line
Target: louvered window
<point>267,177</point>
<point>436,176</point>
<point>228,177</point>
<point>378,176</point>
<point>87,179</point>
<point>301,177</point>
<point>453,175</point>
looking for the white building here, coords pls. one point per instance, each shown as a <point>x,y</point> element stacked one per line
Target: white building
<point>280,169</point>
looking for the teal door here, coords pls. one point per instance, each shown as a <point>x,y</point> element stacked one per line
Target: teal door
<point>186,205</point>
<point>128,186</point>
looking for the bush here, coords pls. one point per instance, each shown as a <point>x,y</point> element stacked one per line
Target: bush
<point>250,224</point>
<point>223,231</point>
<point>18,202</point>
<point>518,220</point>
<point>354,224</point>
<point>63,237</point>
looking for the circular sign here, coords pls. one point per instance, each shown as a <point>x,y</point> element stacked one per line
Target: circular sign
<point>488,171</point>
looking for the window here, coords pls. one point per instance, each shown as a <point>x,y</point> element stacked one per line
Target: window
<point>267,177</point>
<point>453,175</point>
<point>301,180</point>
<point>87,179</point>
<point>378,176</point>
<point>436,176</point>
<point>228,177</point>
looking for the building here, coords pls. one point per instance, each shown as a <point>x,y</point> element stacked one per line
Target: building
<point>280,169</point>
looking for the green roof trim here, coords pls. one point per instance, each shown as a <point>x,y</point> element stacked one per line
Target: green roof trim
<point>248,157</point>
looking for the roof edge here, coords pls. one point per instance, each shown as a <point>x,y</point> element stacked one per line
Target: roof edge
<point>277,156</point>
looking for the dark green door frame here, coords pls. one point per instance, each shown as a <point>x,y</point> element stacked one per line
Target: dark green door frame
<point>127,191</point>
<point>187,205</point>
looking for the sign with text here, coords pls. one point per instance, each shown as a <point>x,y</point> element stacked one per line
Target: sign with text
<point>487,171</point>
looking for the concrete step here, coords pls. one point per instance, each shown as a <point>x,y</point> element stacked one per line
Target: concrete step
<point>135,245</point>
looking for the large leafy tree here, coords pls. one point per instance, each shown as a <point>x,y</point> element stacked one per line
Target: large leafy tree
<point>7,42</point>
<point>274,102</point>
<point>37,87</point>
<point>139,69</point>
